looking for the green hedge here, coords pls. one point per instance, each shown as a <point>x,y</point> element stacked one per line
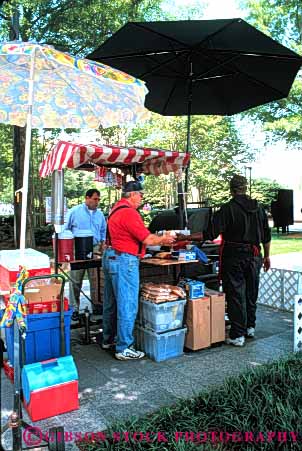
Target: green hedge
<point>254,407</point>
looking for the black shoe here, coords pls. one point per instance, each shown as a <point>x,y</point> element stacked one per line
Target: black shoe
<point>75,316</point>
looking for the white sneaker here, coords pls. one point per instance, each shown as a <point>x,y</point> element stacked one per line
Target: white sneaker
<point>239,341</point>
<point>129,354</point>
<point>250,333</point>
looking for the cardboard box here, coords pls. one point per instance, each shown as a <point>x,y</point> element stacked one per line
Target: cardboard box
<point>42,293</point>
<point>46,307</point>
<point>198,322</point>
<point>217,302</point>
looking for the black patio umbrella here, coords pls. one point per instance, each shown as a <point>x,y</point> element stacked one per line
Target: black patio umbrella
<point>222,66</point>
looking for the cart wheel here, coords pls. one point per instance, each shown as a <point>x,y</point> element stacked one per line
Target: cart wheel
<point>56,439</point>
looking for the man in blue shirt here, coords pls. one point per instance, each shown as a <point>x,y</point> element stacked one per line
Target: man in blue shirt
<point>86,217</point>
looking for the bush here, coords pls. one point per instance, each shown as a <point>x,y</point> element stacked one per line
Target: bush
<point>268,398</point>
<point>43,235</point>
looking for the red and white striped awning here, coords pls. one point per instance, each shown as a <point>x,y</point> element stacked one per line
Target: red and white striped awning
<point>71,155</point>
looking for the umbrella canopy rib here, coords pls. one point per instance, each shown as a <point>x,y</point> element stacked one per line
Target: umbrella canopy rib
<point>203,75</point>
<point>171,38</point>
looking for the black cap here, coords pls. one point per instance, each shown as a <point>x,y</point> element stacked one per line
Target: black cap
<point>129,187</point>
<point>238,182</point>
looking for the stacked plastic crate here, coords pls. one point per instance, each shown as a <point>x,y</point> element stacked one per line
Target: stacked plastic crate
<point>160,332</point>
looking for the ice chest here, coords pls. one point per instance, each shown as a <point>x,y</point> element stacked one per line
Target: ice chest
<point>50,387</point>
<point>42,340</point>
<point>160,347</point>
<point>162,317</point>
<point>35,262</point>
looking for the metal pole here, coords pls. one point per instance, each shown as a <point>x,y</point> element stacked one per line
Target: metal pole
<point>183,204</point>
<point>27,150</point>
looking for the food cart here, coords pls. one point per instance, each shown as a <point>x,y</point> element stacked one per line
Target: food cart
<point>131,162</point>
<point>126,161</point>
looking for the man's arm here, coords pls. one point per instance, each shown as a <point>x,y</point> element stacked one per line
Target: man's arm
<point>154,240</point>
<point>266,258</point>
<point>266,241</point>
<point>102,236</point>
<point>198,236</point>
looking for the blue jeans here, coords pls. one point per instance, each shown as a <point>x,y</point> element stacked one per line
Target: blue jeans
<point>121,273</point>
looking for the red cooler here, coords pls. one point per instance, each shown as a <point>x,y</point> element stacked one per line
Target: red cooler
<point>65,246</point>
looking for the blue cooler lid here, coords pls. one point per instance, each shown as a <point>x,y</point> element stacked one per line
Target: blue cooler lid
<point>45,374</point>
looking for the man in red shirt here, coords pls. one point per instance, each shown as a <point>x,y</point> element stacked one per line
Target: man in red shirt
<point>127,237</point>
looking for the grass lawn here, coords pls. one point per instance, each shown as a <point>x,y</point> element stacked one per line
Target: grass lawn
<point>245,413</point>
<point>283,244</point>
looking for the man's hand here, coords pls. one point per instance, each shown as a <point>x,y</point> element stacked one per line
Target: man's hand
<point>182,237</point>
<point>168,239</point>
<point>266,263</point>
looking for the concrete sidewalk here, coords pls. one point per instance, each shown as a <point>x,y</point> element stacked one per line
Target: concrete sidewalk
<point>111,390</point>
<point>291,261</point>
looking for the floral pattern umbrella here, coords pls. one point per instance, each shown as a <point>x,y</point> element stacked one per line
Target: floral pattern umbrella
<point>41,87</point>
<point>67,91</point>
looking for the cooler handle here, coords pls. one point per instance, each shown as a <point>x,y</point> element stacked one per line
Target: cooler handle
<point>49,364</point>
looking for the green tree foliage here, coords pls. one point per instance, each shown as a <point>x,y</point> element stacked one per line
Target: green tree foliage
<point>216,154</point>
<point>6,164</point>
<point>77,26</point>
<point>282,20</point>
<point>265,191</point>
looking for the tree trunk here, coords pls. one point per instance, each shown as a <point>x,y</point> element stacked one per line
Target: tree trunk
<point>19,146</point>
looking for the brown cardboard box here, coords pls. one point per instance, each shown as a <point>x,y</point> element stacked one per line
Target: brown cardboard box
<point>198,320</point>
<point>42,293</point>
<point>217,301</point>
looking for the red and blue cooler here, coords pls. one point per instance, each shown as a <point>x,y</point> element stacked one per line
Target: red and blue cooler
<point>50,388</point>
<point>35,262</point>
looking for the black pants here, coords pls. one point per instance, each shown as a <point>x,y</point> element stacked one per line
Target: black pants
<point>240,278</point>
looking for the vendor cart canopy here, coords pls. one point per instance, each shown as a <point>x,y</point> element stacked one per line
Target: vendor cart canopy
<point>78,156</point>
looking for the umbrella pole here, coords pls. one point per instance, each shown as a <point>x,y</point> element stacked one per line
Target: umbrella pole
<point>188,148</point>
<point>27,151</point>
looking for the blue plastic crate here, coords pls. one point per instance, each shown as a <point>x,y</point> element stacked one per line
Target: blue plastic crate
<point>162,317</point>
<point>160,347</point>
<point>42,340</point>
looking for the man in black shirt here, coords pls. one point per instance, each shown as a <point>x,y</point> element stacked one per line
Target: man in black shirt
<point>243,224</point>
